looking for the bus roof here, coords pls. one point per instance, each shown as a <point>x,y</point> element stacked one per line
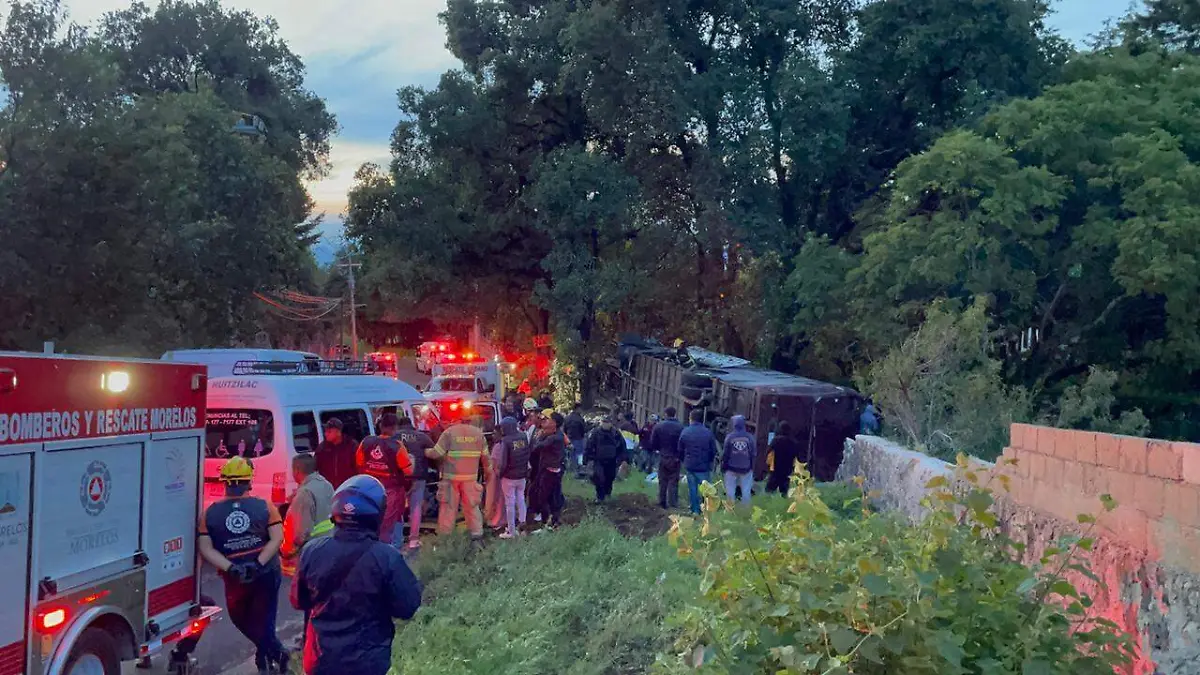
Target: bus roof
<point>289,391</point>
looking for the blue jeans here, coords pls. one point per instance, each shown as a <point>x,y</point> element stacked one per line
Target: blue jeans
<point>735,480</point>
<point>578,447</point>
<point>695,478</point>
<point>416,507</point>
<point>514,502</point>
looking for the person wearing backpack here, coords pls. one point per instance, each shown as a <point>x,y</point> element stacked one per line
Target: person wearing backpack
<point>737,460</point>
<point>353,587</point>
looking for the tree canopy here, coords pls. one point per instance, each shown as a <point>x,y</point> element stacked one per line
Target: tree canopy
<point>134,217</point>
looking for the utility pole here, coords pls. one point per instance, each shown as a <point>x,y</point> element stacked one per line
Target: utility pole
<point>349,267</point>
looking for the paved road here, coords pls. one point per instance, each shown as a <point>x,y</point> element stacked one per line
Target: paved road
<point>224,651</point>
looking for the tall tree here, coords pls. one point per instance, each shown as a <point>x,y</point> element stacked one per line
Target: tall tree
<point>1074,213</point>
<point>134,220</point>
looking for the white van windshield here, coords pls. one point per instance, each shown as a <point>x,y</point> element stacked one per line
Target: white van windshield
<point>452,384</point>
<point>232,432</point>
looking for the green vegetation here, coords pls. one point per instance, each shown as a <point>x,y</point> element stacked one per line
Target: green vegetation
<point>135,218</point>
<point>809,592</point>
<point>581,600</point>
<point>809,185</point>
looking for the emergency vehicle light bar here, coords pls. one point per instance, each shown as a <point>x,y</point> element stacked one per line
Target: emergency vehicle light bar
<point>307,367</point>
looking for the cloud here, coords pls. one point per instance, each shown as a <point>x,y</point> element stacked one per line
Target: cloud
<point>358,54</point>
<point>379,35</point>
<point>346,157</point>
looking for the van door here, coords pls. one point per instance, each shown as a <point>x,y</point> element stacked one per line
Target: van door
<point>15,511</point>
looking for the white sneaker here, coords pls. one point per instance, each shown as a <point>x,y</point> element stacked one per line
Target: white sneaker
<point>506,535</point>
<point>537,517</point>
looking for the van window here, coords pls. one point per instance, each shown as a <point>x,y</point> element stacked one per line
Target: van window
<point>304,432</point>
<point>354,422</point>
<point>439,384</point>
<point>232,432</point>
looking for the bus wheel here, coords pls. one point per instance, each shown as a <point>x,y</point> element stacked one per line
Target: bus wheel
<point>93,654</point>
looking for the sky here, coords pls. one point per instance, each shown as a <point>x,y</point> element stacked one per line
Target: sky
<point>360,52</point>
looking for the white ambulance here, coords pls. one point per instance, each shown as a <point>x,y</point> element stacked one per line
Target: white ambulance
<point>268,413</point>
<point>99,499</point>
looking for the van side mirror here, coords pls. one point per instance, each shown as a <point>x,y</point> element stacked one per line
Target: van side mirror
<point>489,389</point>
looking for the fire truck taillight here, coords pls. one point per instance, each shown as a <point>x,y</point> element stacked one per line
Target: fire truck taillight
<point>116,382</point>
<point>50,620</point>
<point>8,380</point>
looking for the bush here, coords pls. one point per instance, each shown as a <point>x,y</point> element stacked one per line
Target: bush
<point>579,601</point>
<point>1090,406</point>
<point>814,593</point>
<point>942,388</point>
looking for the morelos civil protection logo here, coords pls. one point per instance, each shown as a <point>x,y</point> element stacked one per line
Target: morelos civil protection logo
<point>95,488</point>
<point>237,522</point>
<point>377,452</point>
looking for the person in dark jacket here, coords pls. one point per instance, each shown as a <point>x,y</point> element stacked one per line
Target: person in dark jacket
<point>547,495</point>
<point>737,460</point>
<point>605,449</point>
<point>664,441</point>
<point>354,587</point>
<point>417,442</point>
<point>575,429</point>
<point>646,459</point>
<point>699,448</point>
<point>785,451</point>
<point>336,454</point>
<point>628,424</point>
<point>512,465</point>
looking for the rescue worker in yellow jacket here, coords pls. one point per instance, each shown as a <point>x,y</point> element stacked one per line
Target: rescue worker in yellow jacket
<point>465,450</point>
<point>240,536</point>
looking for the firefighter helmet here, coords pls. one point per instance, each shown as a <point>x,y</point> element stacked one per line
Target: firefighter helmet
<point>237,469</point>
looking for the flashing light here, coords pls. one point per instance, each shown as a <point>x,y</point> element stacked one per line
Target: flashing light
<point>467,405</point>
<point>94,597</point>
<point>51,620</point>
<point>441,348</point>
<point>116,382</point>
<point>8,380</point>
<point>453,406</point>
<point>194,628</point>
<point>469,356</point>
<point>451,357</point>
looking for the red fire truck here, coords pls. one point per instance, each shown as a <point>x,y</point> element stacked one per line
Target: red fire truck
<point>100,486</point>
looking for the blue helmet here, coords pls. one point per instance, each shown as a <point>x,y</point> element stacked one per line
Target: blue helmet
<point>361,500</point>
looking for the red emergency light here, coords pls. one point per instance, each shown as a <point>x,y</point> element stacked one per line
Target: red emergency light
<point>50,620</point>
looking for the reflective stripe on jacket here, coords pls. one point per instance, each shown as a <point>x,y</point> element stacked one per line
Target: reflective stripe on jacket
<point>464,449</point>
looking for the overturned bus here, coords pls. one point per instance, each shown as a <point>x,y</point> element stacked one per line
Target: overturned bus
<point>652,378</point>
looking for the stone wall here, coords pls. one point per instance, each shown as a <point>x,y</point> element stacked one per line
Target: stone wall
<point>1147,553</point>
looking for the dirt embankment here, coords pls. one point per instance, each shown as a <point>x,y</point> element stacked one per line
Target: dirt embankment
<point>634,515</point>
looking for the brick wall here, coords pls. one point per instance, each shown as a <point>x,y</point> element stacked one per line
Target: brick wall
<point>1147,552</point>
<point>1155,483</point>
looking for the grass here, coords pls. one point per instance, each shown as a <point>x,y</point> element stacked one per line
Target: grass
<point>584,600</point>
<point>594,598</point>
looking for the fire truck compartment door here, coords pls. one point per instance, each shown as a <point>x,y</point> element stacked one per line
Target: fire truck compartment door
<point>14,560</point>
<point>89,512</point>
<point>172,493</point>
